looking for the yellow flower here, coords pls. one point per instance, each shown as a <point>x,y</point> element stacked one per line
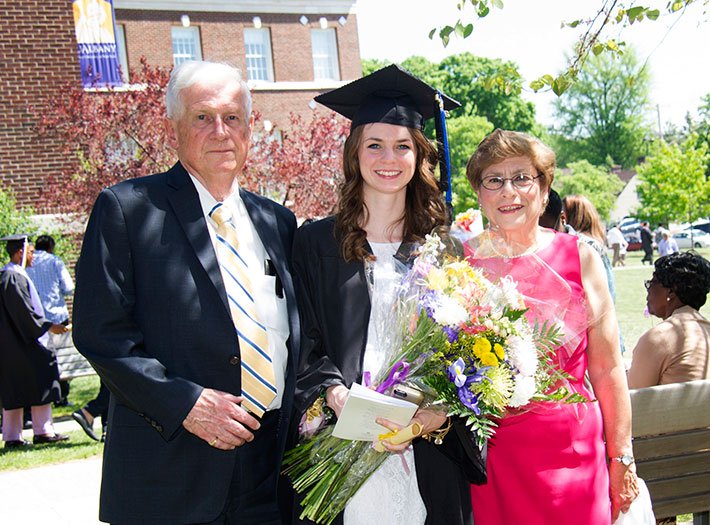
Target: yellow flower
<point>488,359</point>
<point>481,346</point>
<point>461,273</point>
<point>498,349</point>
<point>436,279</point>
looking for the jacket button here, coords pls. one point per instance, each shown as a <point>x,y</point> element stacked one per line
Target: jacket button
<point>234,360</point>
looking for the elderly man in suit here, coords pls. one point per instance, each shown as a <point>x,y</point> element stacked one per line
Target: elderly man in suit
<point>185,306</point>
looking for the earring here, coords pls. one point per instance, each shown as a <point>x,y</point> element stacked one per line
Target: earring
<point>668,299</point>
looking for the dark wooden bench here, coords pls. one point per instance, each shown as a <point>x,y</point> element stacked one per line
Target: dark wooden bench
<point>671,428</point>
<point>71,363</point>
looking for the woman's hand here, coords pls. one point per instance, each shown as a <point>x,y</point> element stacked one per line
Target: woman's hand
<point>335,397</point>
<point>429,420</point>
<point>623,488</point>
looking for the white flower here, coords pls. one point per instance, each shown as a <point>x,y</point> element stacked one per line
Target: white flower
<point>512,296</point>
<point>506,294</point>
<point>448,312</point>
<point>432,246</point>
<point>523,391</point>
<point>522,355</point>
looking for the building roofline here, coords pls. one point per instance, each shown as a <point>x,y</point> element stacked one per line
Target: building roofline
<point>244,6</point>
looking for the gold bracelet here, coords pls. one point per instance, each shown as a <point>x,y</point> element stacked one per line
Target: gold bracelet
<point>438,435</point>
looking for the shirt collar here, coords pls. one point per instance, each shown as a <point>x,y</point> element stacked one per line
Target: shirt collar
<point>207,201</point>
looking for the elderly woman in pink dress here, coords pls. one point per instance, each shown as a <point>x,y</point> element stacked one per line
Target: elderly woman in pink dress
<point>562,464</point>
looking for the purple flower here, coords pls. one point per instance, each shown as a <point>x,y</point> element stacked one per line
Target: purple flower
<point>451,333</point>
<point>456,373</point>
<point>469,399</point>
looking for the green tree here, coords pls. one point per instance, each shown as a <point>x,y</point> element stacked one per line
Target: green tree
<point>672,183</point>
<point>12,219</point>
<point>701,128</point>
<point>604,110</point>
<point>489,88</point>
<point>485,87</point>
<point>465,133</point>
<point>596,183</point>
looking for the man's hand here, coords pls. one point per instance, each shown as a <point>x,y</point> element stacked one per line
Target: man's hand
<point>218,418</point>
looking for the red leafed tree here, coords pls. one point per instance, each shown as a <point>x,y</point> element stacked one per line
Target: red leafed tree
<point>119,134</point>
<point>303,169</point>
<point>113,135</point>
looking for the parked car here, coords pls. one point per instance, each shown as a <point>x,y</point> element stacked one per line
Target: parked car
<point>700,239</point>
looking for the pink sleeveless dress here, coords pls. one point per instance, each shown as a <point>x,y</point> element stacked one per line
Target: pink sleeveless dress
<point>547,465</point>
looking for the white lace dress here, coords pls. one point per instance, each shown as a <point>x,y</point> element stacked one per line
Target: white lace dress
<point>391,495</point>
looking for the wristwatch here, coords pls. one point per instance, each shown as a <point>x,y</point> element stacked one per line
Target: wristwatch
<point>624,459</point>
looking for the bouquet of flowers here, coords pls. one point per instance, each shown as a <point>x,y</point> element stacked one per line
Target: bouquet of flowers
<point>462,340</point>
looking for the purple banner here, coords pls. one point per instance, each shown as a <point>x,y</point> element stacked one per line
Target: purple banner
<point>95,27</point>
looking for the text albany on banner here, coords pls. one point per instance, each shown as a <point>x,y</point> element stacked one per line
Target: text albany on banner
<point>96,43</point>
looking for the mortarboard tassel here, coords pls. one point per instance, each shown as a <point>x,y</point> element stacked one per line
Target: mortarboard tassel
<point>443,150</point>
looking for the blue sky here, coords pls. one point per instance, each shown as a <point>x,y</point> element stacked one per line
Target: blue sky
<point>528,32</point>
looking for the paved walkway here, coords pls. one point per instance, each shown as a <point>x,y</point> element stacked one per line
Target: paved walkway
<point>64,494</point>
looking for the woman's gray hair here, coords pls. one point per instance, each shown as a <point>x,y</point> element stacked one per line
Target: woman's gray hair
<point>191,72</point>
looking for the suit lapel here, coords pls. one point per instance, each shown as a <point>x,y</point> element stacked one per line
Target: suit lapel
<point>186,205</point>
<point>264,220</point>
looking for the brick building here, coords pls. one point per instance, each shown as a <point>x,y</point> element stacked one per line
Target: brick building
<point>289,51</point>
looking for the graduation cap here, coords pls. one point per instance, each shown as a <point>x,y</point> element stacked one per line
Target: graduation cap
<point>393,95</point>
<point>17,238</point>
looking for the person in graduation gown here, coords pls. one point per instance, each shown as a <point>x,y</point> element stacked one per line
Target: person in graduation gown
<point>389,200</point>
<point>28,370</point>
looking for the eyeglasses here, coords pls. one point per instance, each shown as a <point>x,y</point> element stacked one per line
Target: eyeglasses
<point>520,181</point>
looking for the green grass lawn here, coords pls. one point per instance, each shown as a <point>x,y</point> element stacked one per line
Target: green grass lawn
<point>79,446</point>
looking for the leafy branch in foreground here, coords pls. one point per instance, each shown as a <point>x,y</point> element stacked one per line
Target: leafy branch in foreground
<point>591,41</point>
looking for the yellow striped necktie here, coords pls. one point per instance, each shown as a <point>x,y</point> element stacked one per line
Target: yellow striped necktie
<point>258,381</point>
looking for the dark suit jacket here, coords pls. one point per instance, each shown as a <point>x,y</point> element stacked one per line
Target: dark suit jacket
<point>151,315</point>
<point>335,312</point>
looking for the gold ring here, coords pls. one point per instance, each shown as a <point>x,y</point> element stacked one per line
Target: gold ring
<point>214,442</point>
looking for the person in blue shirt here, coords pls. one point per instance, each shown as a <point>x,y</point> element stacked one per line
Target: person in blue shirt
<point>53,283</point>
<point>52,279</point>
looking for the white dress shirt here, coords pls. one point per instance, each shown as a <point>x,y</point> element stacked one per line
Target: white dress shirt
<point>271,308</point>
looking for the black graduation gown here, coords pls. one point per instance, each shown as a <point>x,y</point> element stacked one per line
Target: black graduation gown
<point>334,305</point>
<point>28,371</point>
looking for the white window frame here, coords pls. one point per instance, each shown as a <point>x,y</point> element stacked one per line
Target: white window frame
<point>324,47</point>
<point>122,53</point>
<point>186,44</point>
<point>257,53</point>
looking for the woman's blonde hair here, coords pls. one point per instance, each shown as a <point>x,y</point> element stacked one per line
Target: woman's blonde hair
<point>581,214</point>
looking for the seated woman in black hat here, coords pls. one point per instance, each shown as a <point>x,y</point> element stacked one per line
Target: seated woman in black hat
<point>389,200</point>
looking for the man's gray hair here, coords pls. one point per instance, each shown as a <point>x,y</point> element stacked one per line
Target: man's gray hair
<point>191,72</point>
